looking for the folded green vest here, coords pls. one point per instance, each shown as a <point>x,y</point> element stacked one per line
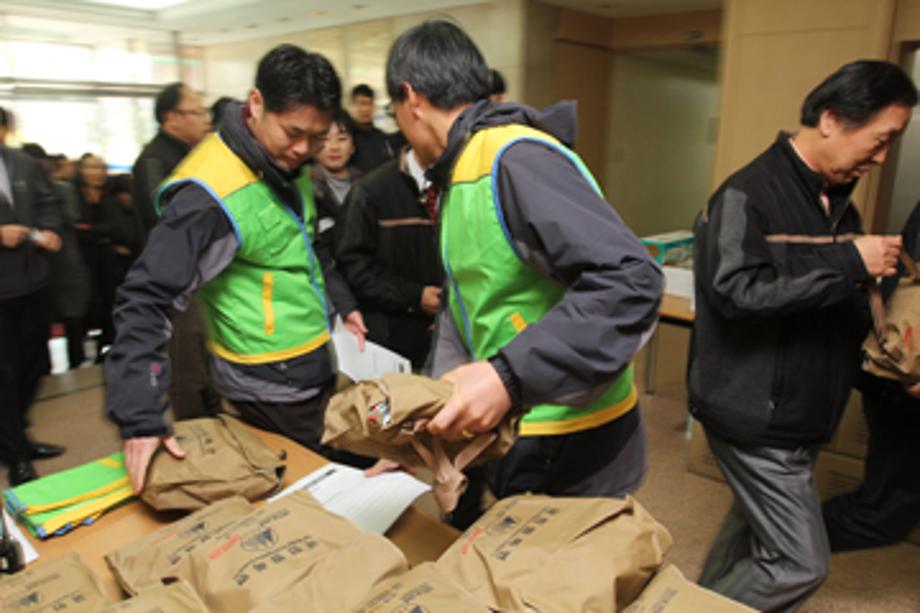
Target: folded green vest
<point>57,503</point>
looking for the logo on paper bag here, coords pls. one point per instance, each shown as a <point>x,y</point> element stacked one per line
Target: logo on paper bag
<point>260,541</point>
<point>379,416</point>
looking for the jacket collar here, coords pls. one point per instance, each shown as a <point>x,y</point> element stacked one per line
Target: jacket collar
<point>237,136</point>
<point>558,120</point>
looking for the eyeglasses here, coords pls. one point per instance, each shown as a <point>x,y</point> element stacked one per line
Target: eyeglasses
<point>195,112</point>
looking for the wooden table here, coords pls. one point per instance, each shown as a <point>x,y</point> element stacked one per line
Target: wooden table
<point>674,310</point>
<point>420,537</point>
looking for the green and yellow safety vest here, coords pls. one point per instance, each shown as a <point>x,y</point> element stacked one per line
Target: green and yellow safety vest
<point>494,294</point>
<point>269,304</point>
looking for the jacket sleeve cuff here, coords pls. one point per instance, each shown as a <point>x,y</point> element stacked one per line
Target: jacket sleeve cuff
<point>854,268</point>
<point>509,380</point>
<point>145,429</point>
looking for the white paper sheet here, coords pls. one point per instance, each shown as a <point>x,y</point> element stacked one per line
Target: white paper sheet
<point>371,363</point>
<point>13,530</point>
<point>372,503</point>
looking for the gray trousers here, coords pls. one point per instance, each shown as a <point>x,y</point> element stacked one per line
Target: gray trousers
<point>771,552</point>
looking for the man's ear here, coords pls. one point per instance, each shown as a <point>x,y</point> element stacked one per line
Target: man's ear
<point>256,104</point>
<point>828,123</point>
<point>415,101</point>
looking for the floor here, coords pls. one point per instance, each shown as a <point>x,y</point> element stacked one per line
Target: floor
<point>71,412</point>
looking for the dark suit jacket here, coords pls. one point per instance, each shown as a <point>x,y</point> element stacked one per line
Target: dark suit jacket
<point>25,269</point>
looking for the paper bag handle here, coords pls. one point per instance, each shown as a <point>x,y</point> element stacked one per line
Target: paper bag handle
<point>877,307</point>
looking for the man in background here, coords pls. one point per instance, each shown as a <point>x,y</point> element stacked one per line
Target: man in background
<point>30,224</point>
<point>779,262</point>
<point>372,145</point>
<point>387,251</point>
<point>183,122</point>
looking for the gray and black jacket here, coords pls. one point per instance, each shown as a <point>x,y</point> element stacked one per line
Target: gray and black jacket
<point>567,232</point>
<point>35,204</point>
<point>780,311</point>
<point>190,246</point>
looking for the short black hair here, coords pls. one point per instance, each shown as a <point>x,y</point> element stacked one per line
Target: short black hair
<point>167,100</point>
<point>343,120</point>
<point>6,118</point>
<point>219,108</point>
<point>437,59</point>
<point>497,81</point>
<point>362,89</point>
<point>856,92</point>
<point>35,150</point>
<point>288,75</point>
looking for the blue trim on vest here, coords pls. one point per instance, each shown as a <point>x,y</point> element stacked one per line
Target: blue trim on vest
<point>313,262</point>
<point>496,199</point>
<point>207,188</point>
<point>467,328</point>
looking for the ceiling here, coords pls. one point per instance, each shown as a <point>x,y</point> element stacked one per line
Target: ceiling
<point>205,22</point>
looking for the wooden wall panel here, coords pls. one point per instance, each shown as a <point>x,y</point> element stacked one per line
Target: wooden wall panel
<point>666,31</point>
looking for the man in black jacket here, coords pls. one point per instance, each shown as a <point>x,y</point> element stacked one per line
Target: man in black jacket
<point>372,145</point>
<point>387,251</point>
<point>183,123</point>
<point>30,224</point>
<point>780,316</point>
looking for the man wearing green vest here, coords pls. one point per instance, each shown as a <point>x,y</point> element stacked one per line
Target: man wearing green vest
<point>549,296</point>
<point>239,231</point>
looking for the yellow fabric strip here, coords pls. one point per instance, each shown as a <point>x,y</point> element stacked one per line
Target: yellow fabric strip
<point>476,160</point>
<point>518,321</point>
<point>85,511</point>
<point>585,422</point>
<point>216,165</point>
<point>268,283</point>
<point>60,504</point>
<point>270,356</point>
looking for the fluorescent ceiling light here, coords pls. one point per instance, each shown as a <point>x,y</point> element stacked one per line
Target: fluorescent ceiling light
<point>146,5</point>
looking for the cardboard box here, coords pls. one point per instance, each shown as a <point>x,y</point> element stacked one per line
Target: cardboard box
<point>700,460</point>
<point>670,592</point>
<point>670,247</point>
<point>852,437</point>
<point>837,474</point>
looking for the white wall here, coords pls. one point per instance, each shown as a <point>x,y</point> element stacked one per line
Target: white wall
<point>661,139</point>
<point>906,191</point>
<point>358,51</point>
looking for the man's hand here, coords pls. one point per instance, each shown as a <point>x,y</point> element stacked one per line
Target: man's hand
<point>478,403</point>
<point>431,299</point>
<point>49,241</point>
<point>354,323</point>
<point>13,235</point>
<point>138,452</point>
<point>879,253</point>
<point>384,465</point>
<point>913,390</point>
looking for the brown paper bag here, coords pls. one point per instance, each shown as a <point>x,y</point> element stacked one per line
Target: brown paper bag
<point>222,458</point>
<point>558,554</point>
<point>423,588</point>
<point>892,347</point>
<point>63,584</point>
<point>269,551</point>
<point>670,592</point>
<point>386,418</point>
<point>144,563</point>
<point>340,581</point>
<point>174,598</point>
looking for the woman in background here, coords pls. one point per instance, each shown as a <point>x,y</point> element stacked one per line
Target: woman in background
<point>333,174</point>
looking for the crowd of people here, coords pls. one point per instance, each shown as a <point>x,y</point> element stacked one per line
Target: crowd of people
<point>477,244</point>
